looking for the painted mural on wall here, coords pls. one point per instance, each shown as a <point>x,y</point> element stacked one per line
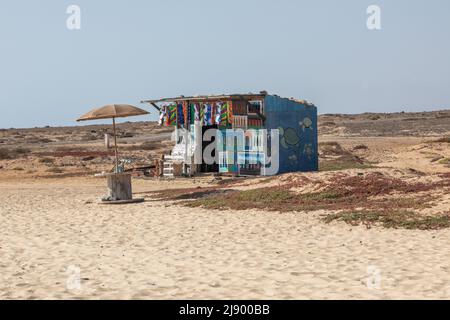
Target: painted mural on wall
<point>298,133</point>
<point>290,140</point>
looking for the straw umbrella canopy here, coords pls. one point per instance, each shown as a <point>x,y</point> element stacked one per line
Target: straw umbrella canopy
<point>113,111</point>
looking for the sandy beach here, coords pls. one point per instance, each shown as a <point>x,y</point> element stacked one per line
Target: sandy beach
<point>58,242</point>
<point>158,251</point>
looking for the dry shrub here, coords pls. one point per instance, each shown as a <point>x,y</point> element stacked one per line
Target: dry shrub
<point>37,140</point>
<point>7,154</point>
<point>361,147</point>
<point>392,219</point>
<point>443,140</point>
<point>442,116</point>
<point>183,194</point>
<point>70,149</point>
<point>55,170</point>
<point>335,158</point>
<point>146,146</point>
<point>47,160</point>
<point>21,151</point>
<point>77,154</point>
<point>331,148</point>
<point>89,137</point>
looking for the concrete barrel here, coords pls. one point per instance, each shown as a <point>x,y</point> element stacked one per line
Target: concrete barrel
<point>119,186</point>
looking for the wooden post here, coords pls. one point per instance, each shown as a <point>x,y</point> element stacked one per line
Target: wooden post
<point>115,146</point>
<point>119,186</point>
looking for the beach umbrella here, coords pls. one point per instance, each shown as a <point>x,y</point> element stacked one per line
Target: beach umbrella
<point>113,111</point>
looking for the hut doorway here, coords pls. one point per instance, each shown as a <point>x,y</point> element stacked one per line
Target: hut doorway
<point>206,168</point>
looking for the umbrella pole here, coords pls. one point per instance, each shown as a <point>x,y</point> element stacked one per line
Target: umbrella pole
<point>115,146</point>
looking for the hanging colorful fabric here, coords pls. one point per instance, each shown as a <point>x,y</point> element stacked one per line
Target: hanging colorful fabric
<point>166,115</point>
<point>186,112</point>
<point>192,113</point>
<point>162,116</point>
<point>218,114</point>
<point>208,115</point>
<point>197,112</point>
<point>224,114</point>
<point>230,112</point>
<point>213,114</point>
<point>202,113</point>
<point>171,115</point>
<point>180,115</point>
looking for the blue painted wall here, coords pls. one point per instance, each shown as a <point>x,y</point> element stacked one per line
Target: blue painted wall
<point>297,123</point>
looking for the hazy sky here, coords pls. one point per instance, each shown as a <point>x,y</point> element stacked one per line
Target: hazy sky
<point>131,50</point>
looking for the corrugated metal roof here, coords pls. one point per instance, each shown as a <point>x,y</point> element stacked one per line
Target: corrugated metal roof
<point>239,96</point>
<point>245,96</point>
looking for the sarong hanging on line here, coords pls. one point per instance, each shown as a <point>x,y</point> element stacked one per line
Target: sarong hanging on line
<point>171,115</point>
<point>162,116</point>
<point>218,114</point>
<point>197,112</point>
<point>224,114</point>
<point>202,114</point>
<point>180,115</point>
<point>193,112</point>
<point>186,113</point>
<point>208,115</point>
<point>230,112</point>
